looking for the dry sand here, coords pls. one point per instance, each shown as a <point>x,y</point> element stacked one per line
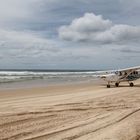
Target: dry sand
<point>67,112</point>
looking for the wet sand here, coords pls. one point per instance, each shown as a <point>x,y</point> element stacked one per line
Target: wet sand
<point>71,112</point>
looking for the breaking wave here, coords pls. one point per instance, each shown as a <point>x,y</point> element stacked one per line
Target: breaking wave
<point>13,76</point>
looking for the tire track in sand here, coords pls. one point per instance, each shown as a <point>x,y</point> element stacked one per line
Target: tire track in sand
<point>82,134</point>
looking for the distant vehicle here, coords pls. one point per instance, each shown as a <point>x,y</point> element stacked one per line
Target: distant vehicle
<point>122,75</point>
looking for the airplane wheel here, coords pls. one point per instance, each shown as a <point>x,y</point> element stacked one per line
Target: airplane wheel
<point>131,84</point>
<point>116,84</point>
<point>108,86</point>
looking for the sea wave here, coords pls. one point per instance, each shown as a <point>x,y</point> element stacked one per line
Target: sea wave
<point>12,76</point>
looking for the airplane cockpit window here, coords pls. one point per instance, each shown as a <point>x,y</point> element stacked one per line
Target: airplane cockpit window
<point>136,72</point>
<point>120,73</point>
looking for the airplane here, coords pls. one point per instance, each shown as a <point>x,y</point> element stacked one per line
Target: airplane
<point>122,75</point>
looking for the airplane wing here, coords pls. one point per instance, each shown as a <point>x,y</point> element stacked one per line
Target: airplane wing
<point>129,69</point>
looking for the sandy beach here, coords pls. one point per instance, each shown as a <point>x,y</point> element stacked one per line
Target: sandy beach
<point>71,112</point>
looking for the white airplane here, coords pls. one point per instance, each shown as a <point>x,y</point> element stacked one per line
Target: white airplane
<point>122,75</point>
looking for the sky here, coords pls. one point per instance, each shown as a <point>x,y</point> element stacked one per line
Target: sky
<point>69,34</point>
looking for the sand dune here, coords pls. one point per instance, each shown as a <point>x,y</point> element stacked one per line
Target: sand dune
<point>79,112</point>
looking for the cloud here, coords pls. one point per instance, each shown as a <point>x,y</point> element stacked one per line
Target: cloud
<point>24,44</point>
<point>29,37</point>
<point>125,50</point>
<point>93,28</point>
<point>27,50</point>
<point>22,48</point>
<point>13,9</point>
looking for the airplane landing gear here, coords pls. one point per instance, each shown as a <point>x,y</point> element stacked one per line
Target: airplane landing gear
<point>131,84</point>
<point>108,86</point>
<point>116,84</point>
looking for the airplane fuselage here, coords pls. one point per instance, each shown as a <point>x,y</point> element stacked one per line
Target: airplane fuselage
<point>131,76</point>
<point>121,77</point>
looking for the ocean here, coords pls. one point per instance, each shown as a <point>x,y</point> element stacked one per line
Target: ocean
<point>46,76</point>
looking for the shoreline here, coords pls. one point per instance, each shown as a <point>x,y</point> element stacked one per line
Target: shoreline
<point>44,83</point>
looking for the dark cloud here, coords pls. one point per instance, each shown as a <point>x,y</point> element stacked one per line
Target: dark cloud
<point>130,51</point>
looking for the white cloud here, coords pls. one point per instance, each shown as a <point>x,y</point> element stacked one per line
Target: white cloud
<point>92,28</point>
<point>90,23</point>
